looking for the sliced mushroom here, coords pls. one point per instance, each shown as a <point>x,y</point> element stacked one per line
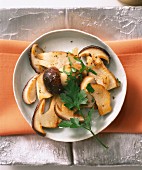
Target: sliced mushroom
<point>35,50</point>
<point>85,82</point>
<point>93,56</point>
<point>95,51</point>
<point>42,92</point>
<point>48,119</point>
<point>29,92</point>
<point>63,77</point>
<point>64,113</point>
<point>36,122</point>
<point>55,59</point>
<point>104,76</point>
<point>75,51</point>
<point>102,98</point>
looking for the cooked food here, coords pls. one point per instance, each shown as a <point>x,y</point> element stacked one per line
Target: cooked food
<point>29,92</point>
<point>93,56</point>
<point>42,92</point>
<point>52,80</point>
<point>73,82</point>
<point>55,59</point>
<point>103,76</point>
<point>84,83</point>
<point>48,119</point>
<point>95,51</point>
<point>35,50</point>
<point>63,77</point>
<point>66,114</point>
<point>102,98</point>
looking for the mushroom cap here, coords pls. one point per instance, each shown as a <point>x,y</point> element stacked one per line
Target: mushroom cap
<point>95,51</point>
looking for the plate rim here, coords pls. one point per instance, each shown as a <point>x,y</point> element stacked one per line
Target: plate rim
<point>78,31</point>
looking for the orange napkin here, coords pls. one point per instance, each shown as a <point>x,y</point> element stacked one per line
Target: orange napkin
<point>129,119</point>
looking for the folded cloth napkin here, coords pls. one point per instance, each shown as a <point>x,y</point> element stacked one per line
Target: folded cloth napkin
<point>129,119</point>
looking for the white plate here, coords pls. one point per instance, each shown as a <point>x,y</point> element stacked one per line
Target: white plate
<point>66,40</point>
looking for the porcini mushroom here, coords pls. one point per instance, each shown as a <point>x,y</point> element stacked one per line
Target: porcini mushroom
<point>48,119</point>
<point>64,113</point>
<point>93,57</point>
<point>35,50</point>
<point>102,98</point>
<point>55,59</point>
<point>29,92</point>
<point>84,83</point>
<point>95,51</point>
<point>104,76</point>
<point>42,92</point>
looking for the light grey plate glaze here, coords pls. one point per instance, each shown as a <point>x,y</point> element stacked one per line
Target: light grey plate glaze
<point>66,40</point>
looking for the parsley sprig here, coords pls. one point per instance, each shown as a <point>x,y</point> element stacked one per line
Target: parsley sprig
<point>90,88</point>
<point>74,98</point>
<point>84,67</point>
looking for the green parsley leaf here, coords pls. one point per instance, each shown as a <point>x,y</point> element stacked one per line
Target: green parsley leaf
<point>65,123</point>
<point>81,98</point>
<point>72,96</point>
<point>83,67</point>
<point>89,88</point>
<point>70,62</point>
<point>72,123</point>
<point>67,100</point>
<point>75,123</point>
<point>88,119</point>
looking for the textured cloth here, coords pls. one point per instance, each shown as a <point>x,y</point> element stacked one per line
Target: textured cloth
<point>129,119</point>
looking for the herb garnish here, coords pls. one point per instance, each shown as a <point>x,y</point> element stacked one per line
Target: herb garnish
<point>84,67</point>
<point>89,88</point>
<point>74,98</point>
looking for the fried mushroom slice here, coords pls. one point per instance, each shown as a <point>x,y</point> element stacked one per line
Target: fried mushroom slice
<point>55,59</point>
<point>42,92</point>
<point>84,83</point>
<point>35,50</point>
<point>48,119</point>
<point>102,98</point>
<point>64,113</point>
<point>95,51</point>
<point>29,92</point>
<point>104,76</point>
